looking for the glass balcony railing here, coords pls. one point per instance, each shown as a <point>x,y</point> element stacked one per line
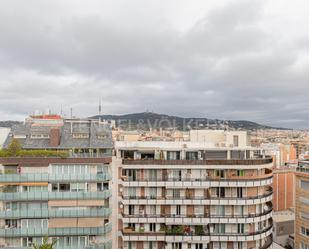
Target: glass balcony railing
<point>45,177</point>
<point>72,231</point>
<point>45,213</point>
<point>106,245</point>
<point>26,196</point>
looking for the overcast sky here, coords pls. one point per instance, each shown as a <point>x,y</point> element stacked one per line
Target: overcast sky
<point>225,59</point>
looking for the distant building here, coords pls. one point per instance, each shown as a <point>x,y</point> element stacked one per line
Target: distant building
<point>302,206</point>
<point>4,132</point>
<point>284,189</point>
<point>283,226</point>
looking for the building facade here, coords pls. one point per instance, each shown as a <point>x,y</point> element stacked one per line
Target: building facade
<point>214,193</point>
<point>302,206</point>
<point>284,190</point>
<point>58,185</point>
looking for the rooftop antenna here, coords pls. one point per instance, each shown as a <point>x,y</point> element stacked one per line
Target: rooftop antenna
<point>71,112</point>
<point>61,111</point>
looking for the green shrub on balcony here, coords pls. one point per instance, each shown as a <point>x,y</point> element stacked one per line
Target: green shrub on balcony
<point>199,230</point>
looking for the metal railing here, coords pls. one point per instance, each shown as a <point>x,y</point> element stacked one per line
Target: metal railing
<point>72,231</point>
<point>266,194</point>
<point>26,196</point>
<point>45,177</point>
<point>198,162</point>
<point>45,213</point>
<point>208,215</point>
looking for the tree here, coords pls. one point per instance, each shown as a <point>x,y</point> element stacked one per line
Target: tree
<point>14,147</point>
<point>45,244</point>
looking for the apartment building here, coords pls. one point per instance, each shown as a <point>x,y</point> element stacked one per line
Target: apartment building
<point>284,188</point>
<point>208,193</point>
<point>302,206</point>
<point>58,185</point>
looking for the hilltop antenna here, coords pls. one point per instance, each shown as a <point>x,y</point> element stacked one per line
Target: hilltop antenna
<point>100,107</point>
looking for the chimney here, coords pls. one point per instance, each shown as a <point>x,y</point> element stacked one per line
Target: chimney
<point>54,137</point>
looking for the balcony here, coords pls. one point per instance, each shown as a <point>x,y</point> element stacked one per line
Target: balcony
<point>73,231</point>
<point>45,196</point>
<point>106,245</point>
<point>40,213</point>
<point>199,182</point>
<point>191,219</point>
<point>45,177</point>
<point>259,161</point>
<point>198,200</point>
<point>207,236</point>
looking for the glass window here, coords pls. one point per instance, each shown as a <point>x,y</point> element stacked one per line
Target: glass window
<point>304,184</point>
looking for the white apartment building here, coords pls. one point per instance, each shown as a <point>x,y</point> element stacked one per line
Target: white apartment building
<point>211,192</point>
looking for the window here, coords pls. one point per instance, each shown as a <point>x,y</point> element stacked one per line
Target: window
<point>177,174</point>
<point>199,246</point>
<point>173,155</point>
<point>64,187</point>
<point>153,210</point>
<point>132,192</point>
<point>220,228</point>
<point>153,193</point>
<point>192,155</point>
<point>240,228</point>
<point>304,184</point>
<point>239,245</point>
<point>240,172</point>
<point>220,173</point>
<point>177,245</point>
<point>152,175</point>
<point>220,210</point>
<point>304,215</point>
<point>304,246</point>
<point>304,231</point>
<point>131,209</point>
<point>150,245</point>
<point>80,135</point>
<point>178,210</point>
<point>235,140</point>
<point>304,200</point>
<point>220,192</point>
<point>176,193</point>
<point>152,227</point>
<point>239,192</point>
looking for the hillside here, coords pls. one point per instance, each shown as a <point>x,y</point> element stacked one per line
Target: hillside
<point>147,120</point>
<point>8,123</point>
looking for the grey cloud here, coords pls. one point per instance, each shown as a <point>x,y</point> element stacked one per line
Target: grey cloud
<point>230,64</point>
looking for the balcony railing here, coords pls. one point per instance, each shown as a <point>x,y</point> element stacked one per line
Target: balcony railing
<point>267,244</point>
<point>259,161</point>
<point>208,215</point>
<point>45,177</point>
<point>72,231</point>
<point>302,170</point>
<point>26,196</point>
<point>45,213</point>
<point>106,245</point>
<point>128,231</point>
<point>202,179</point>
<point>266,194</point>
